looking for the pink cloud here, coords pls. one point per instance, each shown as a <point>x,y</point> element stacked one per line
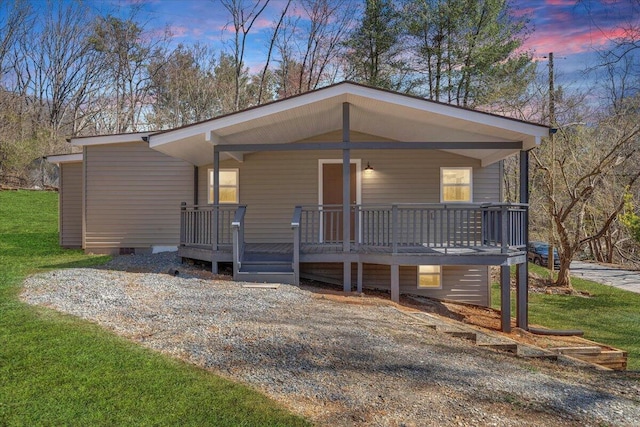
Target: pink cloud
<point>519,13</point>
<point>560,2</point>
<point>570,42</point>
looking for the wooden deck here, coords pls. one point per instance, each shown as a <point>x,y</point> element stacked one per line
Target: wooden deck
<point>360,253</point>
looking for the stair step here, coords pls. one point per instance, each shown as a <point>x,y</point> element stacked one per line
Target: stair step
<point>267,277</point>
<point>245,262</point>
<point>249,267</point>
<point>266,257</point>
<point>506,347</point>
<point>570,351</point>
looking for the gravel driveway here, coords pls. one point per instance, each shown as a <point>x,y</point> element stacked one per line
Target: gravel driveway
<point>359,362</point>
<point>607,275</point>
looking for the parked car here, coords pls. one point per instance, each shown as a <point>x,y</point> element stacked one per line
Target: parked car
<point>538,253</point>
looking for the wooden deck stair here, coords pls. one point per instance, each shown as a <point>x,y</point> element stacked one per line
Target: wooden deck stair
<point>609,358</point>
<point>265,267</point>
<point>594,355</point>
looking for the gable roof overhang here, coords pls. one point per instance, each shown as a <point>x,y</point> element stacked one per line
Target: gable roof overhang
<point>120,138</point>
<point>388,115</point>
<point>64,158</point>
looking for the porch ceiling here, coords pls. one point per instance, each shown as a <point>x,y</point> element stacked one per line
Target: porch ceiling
<point>390,116</point>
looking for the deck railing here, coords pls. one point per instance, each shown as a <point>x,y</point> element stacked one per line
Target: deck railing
<point>198,225</point>
<point>321,224</point>
<point>400,226</point>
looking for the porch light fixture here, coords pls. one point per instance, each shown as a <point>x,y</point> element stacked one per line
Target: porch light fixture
<point>368,168</point>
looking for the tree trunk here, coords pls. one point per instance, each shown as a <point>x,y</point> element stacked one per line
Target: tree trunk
<point>564,276</point>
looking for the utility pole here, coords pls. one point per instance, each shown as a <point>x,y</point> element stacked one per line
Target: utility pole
<point>552,125</point>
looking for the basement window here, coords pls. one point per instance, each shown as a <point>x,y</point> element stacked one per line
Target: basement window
<point>429,277</point>
<point>229,186</point>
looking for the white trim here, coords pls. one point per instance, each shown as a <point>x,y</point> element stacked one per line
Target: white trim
<point>209,184</point>
<point>426,105</point>
<point>109,139</point>
<point>470,169</point>
<point>65,158</point>
<point>439,274</point>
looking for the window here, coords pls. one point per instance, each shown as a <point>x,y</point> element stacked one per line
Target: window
<point>429,277</point>
<point>229,186</point>
<point>456,184</point>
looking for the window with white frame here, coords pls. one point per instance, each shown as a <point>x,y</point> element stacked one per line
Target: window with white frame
<point>456,185</point>
<point>229,186</point>
<point>429,277</point>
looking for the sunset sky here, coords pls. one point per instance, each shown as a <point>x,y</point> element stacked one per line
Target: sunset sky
<point>571,29</point>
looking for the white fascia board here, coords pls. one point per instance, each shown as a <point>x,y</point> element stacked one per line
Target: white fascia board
<point>452,111</point>
<point>279,106</point>
<point>178,134</point>
<point>109,139</point>
<point>65,158</point>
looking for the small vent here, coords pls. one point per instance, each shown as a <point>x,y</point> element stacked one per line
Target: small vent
<point>127,251</point>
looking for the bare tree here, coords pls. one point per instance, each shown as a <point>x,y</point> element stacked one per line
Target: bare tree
<point>272,41</point>
<point>244,15</point>
<point>56,70</point>
<point>183,87</point>
<point>310,49</point>
<point>587,160</point>
<point>14,17</point>
<point>126,50</point>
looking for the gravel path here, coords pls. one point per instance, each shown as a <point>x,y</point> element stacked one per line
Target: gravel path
<point>359,362</point>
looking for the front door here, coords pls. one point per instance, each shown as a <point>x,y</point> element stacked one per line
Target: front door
<point>332,195</point>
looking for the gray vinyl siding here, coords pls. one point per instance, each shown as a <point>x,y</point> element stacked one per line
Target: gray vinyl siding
<point>133,197</point>
<point>70,205</point>
<point>271,185</point>
<point>467,284</point>
<point>410,176</point>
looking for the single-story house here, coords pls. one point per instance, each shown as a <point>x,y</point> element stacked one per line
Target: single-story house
<point>276,189</point>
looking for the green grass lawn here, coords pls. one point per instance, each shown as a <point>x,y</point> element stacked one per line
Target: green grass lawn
<point>610,316</point>
<point>59,370</point>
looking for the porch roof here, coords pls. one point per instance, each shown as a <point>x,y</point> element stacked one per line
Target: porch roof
<point>388,115</point>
